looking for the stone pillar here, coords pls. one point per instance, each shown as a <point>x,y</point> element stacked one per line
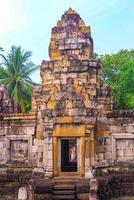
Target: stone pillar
<point>55,161</point>
<point>93,189</point>
<point>88,172</point>
<point>23,193</point>
<point>82,153</point>
<point>48,157</point>
<point>30,193</point>
<point>92,152</point>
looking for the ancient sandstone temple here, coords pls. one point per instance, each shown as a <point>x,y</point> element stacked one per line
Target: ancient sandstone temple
<point>68,103</point>
<point>72,127</point>
<point>73,105</point>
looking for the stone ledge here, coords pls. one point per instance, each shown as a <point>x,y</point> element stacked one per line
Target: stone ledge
<point>120,113</point>
<point>80,64</point>
<point>10,116</point>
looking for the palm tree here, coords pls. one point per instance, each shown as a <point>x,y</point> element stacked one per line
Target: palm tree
<point>15,72</point>
<point>1,49</point>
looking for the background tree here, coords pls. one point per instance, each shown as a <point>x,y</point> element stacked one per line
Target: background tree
<point>15,72</point>
<point>118,71</point>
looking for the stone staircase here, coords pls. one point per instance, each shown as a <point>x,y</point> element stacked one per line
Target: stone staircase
<point>61,188</point>
<point>64,190</point>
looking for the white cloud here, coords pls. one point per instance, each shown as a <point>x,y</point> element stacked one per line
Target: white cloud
<point>12,16</point>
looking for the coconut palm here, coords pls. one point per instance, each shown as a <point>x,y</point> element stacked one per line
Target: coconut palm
<point>1,49</point>
<point>15,72</point>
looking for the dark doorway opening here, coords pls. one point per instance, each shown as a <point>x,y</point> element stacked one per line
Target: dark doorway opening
<point>68,155</point>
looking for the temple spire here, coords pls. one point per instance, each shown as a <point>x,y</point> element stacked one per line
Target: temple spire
<point>70,11</point>
<point>71,38</point>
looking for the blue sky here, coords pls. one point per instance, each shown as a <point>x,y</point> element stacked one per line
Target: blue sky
<point>28,23</point>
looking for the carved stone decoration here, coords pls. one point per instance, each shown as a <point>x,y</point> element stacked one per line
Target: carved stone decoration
<point>18,150</point>
<point>123,147</point>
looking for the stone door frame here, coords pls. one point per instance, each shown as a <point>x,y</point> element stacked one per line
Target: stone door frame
<point>69,131</point>
<point>59,155</point>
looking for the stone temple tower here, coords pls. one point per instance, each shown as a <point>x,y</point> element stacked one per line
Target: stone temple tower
<point>66,104</point>
<point>71,38</point>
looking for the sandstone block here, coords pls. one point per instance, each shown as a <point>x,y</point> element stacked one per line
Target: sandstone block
<point>22,193</point>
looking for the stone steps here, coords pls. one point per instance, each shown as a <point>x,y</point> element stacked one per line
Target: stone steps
<point>64,187</point>
<point>64,190</point>
<point>71,188</point>
<point>63,197</point>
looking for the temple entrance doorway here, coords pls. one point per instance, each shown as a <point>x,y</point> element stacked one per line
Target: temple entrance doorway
<point>69,155</point>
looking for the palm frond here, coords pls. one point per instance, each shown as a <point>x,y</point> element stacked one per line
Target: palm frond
<point>26,55</point>
<point>15,75</point>
<point>28,72</point>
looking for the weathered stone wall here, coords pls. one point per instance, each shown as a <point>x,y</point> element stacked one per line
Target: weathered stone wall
<point>11,180</point>
<point>17,142</point>
<point>115,138</point>
<point>112,186</point>
<point>5,102</point>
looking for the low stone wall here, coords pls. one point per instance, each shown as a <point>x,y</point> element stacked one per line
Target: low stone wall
<point>114,138</point>
<point>11,179</point>
<point>109,186</point>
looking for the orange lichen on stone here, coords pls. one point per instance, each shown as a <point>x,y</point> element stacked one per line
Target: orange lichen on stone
<point>51,103</point>
<point>55,55</point>
<point>86,29</point>
<point>78,88</point>
<point>69,130</point>
<point>59,23</point>
<point>65,120</point>
<point>52,44</point>
<point>39,135</point>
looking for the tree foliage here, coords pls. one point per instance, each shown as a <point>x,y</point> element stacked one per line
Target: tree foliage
<point>15,72</point>
<point>1,49</point>
<point>118,71</point>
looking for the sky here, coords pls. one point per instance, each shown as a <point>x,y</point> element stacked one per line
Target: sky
<point>28,23</point>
